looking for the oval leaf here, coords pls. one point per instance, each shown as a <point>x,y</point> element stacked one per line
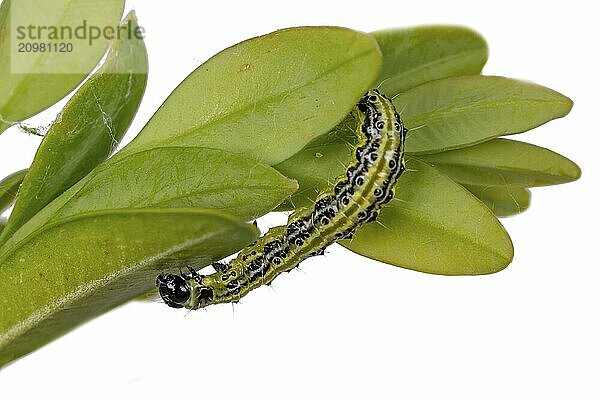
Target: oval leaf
<point>503,162</point>
<point>434,225</point>
<point>40,79</point>
<point>413,56</point>
<point>82,267</point>
<point>504,201</point>
<point>268,96</point>
<point>90,126</point>
<point>9,187</point>
<point>169,177</point>
<point>461,111</point>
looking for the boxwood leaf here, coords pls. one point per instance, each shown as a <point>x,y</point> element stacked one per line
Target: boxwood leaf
<point>199,177</point>
<point>434,225</point>
<point>268,96</point>
<point>412,56</point>
<point>169,177</point>
<point>9,187</point>
<point>88,129</point>
<point>461,111</point>
<point>81,267</point>
<point>504,162</point>
<point>318,165</point>
<point>37,86</point>
<point>504,201</point>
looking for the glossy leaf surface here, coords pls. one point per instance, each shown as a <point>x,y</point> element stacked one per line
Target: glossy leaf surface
<point>84,266</point>
<point>434,225</point>
<point>182,177</point>
<point>504,162</point>
<point>461,111</point>
<point>412,56</point>
<point>169,177</point>
<point>36,87</point>
<point>268,96</point>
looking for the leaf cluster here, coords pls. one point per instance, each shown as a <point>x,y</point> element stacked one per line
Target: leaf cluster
<point>261,126</point>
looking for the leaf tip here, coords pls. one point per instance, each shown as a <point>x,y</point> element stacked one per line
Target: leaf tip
<point>504,251</point>
<point>130,16</point>
<point>574,171</point>
<point>505,258</point>
<point>569,170</point>
<point>567,102</point>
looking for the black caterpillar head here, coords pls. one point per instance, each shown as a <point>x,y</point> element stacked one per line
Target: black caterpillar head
<point>173,289</point>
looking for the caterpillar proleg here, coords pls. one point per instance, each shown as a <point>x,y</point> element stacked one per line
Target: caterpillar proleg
<point>355,199</point>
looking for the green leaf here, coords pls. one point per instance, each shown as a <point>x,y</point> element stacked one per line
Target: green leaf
<point>9,187</point>
<point>318,165</point>
<point>461,111</point>
<point>434,225</point>
<point>268,96</point>
<point>88,129</point>
<point>412,56</point>
<point>169,177</point>
<point>503,162</point>
<point>504,201</point>
<point>181,177</point>
<point>84,266</point>
<point>42,77</point>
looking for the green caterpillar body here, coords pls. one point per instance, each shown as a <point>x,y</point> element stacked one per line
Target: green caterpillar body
<point>355,199</point>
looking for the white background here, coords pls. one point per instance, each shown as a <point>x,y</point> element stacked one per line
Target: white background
<point>345,326</point>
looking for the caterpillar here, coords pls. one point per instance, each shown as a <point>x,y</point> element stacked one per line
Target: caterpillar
<point>356,199</point>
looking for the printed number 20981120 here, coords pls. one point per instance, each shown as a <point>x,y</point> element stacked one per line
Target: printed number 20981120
<point>35,47</point>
